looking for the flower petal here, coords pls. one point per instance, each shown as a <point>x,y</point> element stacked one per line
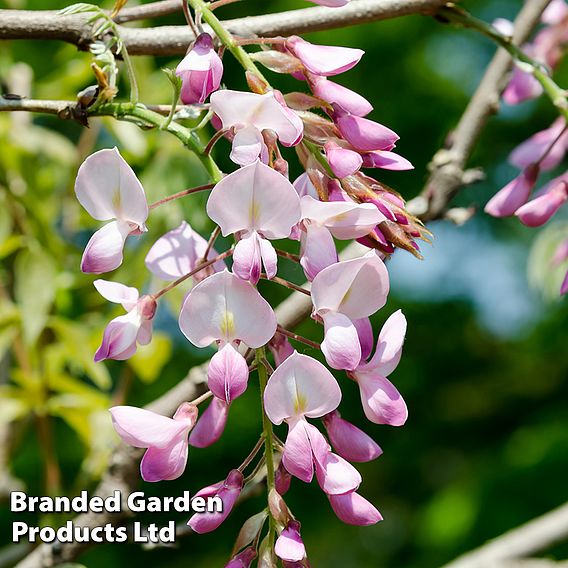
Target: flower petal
<point>144,429</point>
<point>161,464</point>
<point>300,386</point>
<point>348,100</point>
<point>353,509</point>
<point>119,337</point>
<point>297,455</point>
<point>317,250</point>
<point>117,293</point>
<point>227,374</point>
<point>248,145</point>
<point>289,545</point>
<point>389,345</point>
<point>107,188</point>
<point>224,307</point>
<point>103,252</point>
<point>247,260</point>
<point>255,197</point>
<point>341,343</point>
<point>210,425</point>
<point>356,288</point>
<point>381,401</point>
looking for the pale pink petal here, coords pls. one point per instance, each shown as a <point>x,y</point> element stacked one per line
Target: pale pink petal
<point>334,474</point>
<point>282,479</point>
<point>356,288</point>
<point>349,441</point>
<point>236,108</point>
<point>269,258</point>
<point>210,425</point>
<point>247,259</point>
<point>353,509</point>
<point>144,333</point>
<point>117,293</point>
<point>161,464</point>
<point>516,193</point>
<point>389,345</point>
<point>303,185</point>
<point>324,59</point>
<point>386,160</point>
<point>224,307</point>
<point>289,545</point>
<point>229,493</point>
<point>347,99</point>
<point>342,161</point>
<point>144,429</point>
<point>541,209</point>
<point>317,249</point>
<point>227,374</point>
<point>248,145</point>
<point>300,386</point>
<point>341,343</point>
<point>255,197</point>
<point>177,253</point>
<point>107,188</point>
<point>522,86</point>
<point>366,338</point>
<point>119,337</point>
<point>297,455</point>
<point>345,219</point>
<point>103,252</point>
<point>381,401</point>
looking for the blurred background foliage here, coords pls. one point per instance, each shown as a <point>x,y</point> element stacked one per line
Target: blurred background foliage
<point>485,366</point>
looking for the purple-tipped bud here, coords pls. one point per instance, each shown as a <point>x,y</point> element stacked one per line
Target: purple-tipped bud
<point>342,161</point>
<point>242,559</point>
<point>515,194</point>
<point>228,492</point>
<point>282,479</point>
<point>349,441</point>
<point>200,70</point>
<point>227,374</point>
<point>289,545</point>
<point>364,134</point>
<point>540,210</point>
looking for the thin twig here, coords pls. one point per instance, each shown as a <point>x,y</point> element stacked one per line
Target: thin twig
<point>173,40</point>
<point>287,284</point>
<point>179,194</point>
<point>299,338</point>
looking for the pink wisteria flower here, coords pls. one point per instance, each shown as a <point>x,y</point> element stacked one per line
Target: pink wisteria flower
<point>382,403</point>
<point>227,310</point>
<point>323,220</point>
<point>354,509</point>
<point>516,193</point>
<point>343,293</point>
<point>345,98</point>
<point>301,388</point>
<point>211,424</point>
<point>178,252</point>
<point>548,147</point>
<point>243,559</point>
<point>109,190</point>
<point>349,441</point>
<point>248,115</point>
<point>540,210</point>
<point>228,492</point>
<point>289,546</point>
<point>201,71</point>
<point>165,438</point>
<point>255,203</point>
<point>123,333</point>
<point>325,60</point>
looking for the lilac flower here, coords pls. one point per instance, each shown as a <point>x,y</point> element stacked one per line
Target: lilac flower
<point>108,189</point>
<point>201,71</point>
<point>344,292</point>
<point>257,204</point>
<point>227,310</point>
<point>165,438</point>
<point>122,334</point>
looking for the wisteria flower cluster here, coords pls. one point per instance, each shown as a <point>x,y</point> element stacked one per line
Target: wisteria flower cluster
<point>256,205</point>
<point>545,150</point>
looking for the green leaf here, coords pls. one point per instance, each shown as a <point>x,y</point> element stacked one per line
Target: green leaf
<point>150,359</point>
<point>34,291</point>
<point>14,404</point>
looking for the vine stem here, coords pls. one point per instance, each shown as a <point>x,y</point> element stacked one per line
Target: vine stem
<point>140,113</point>
<point>541,73</point>
<point>260,355</point>
<point>179,194</point>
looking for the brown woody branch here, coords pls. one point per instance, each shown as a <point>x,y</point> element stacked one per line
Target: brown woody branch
<point>173,40</point>
<point>448,166</point>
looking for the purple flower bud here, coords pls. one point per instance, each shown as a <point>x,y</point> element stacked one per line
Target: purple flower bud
<point>353,509</point>
<point>200,70</point>
<point>228,491</point>
<point>289,545</point>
